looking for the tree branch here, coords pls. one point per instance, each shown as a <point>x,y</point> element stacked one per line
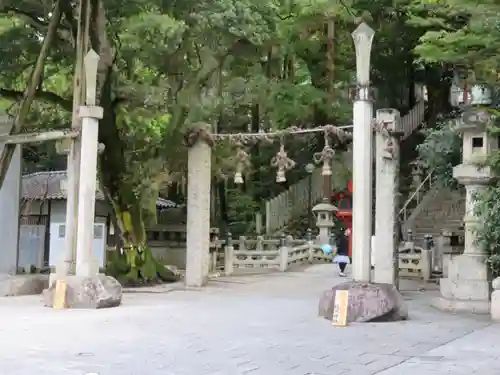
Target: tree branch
<point>69,16</point>
<point>32,18</point>
<point>31,90</point>
<point>45,96</point>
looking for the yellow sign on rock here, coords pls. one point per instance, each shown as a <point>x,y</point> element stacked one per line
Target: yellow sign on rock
<point>60,295</point>
<point>339,318</point>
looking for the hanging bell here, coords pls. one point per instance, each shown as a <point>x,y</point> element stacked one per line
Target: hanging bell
<point>280,176</point>
<point>238,178</point>
<point>326,170</point>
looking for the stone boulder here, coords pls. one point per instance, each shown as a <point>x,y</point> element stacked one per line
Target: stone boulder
<point>95,292</point>
<point>23,285</point>
<point>367,303</point>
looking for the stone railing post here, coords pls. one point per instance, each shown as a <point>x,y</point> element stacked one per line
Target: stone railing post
<point>437,257</point>
<point>409,235</point>
<point>495,300</point>
<point>199,140</point>
<point>310,242</point>
<point>228,256</point>
<point>430,245</point>
<point>283,254</point>
<point>426,262</point>
<point>388,131</point>
<point>215,246</point>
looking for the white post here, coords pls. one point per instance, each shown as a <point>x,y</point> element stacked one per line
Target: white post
<point>198,212</point>
<point>228,256</point>
<point>283,254</point>
<point>258,223</point>
<point>362,156</point>
<point>387,167</point>
<point>90,115</point>
<point>310,242</point>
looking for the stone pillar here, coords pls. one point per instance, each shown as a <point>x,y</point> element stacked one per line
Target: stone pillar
<point>198,205</point>
<point>362,157</point>
<point>386,200</point>
<point>9,209</point>
<point>65,266</point>
<point>495,300</point>
<point>467,286</point>
<point>90,114</point>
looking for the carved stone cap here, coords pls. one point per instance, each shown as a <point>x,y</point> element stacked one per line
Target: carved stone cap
<point>324,207</point>
<point>496,283</point>
<point>199,131</point>
<point>474,120</point>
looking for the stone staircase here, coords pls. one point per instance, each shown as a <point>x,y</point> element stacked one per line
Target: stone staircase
<point>438,209</point>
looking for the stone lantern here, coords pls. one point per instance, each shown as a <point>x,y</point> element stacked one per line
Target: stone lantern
<point>324,213</point>
<point>467,286</point>
<point>462,94</point>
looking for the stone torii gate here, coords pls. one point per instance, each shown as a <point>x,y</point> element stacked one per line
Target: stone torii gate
<point>80,222</point>
<point>388,123</point>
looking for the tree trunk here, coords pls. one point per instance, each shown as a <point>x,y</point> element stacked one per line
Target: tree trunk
<point>330,57</point>
<point>29,94</point>
<point>136,262</point>
<point>438,82</point>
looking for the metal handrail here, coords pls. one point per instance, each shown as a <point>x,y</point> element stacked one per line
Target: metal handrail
<point>416,194</point>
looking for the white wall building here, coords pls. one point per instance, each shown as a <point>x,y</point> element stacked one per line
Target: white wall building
<point>43,217</point>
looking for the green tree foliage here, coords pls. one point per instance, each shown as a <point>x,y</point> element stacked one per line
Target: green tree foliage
<point>240,65</point>
<point>441,151</point>
<point>465,36</point>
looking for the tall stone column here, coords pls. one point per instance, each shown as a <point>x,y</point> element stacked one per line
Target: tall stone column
<point>200,144</point>
<point>90,114</point>
<point>467,287</point>
<point>362,156</point>
<point>386,200</point>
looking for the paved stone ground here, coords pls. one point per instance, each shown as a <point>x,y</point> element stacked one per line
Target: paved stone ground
<point>257,325</point>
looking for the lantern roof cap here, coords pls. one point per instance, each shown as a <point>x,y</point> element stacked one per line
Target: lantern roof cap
<point>473,119</point>
<point>324,207</point>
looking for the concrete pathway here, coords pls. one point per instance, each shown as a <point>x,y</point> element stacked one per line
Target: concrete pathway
<point>257,325</point>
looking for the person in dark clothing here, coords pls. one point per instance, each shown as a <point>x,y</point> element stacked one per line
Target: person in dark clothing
<point>342,257</point>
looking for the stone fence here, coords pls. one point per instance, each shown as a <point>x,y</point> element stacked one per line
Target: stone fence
<point>261,253</point>
<point>433,258</point>
<point>169,246</point>
<point>414,261</point>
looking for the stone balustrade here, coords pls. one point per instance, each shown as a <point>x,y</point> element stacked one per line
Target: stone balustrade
<point>414,261</point>
<point>270,253</point>
<point>260,253</point>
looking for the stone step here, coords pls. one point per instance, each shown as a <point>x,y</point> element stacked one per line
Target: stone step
<point>444,211</point>
<point>434,227</point>
<point>434,220</point>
